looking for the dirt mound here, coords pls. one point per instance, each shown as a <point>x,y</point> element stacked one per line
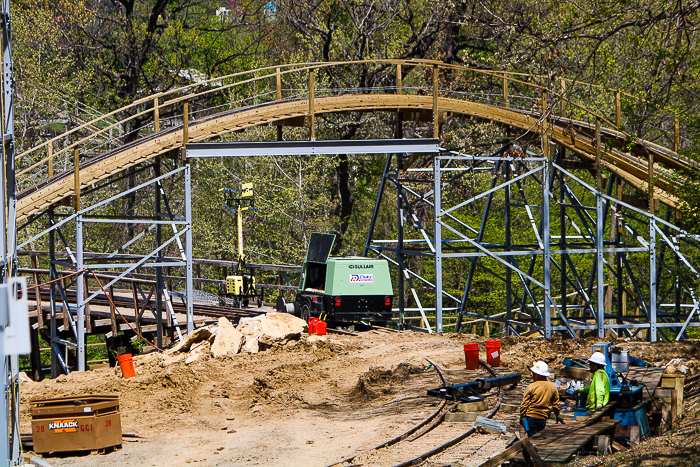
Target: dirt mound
<point>379,382</point>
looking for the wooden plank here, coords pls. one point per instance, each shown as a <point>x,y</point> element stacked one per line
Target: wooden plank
<point>504,456</point>
<point>530,454</point>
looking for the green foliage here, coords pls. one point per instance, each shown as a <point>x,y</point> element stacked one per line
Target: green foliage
<point>107,54</point>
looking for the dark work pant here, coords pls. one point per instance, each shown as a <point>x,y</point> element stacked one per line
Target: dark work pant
<point>533,425</point>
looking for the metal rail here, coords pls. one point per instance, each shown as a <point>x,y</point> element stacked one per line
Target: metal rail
<point>429,424</point>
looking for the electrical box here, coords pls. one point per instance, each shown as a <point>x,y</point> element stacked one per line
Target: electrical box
<point>14,317</point>
<point>78,423</point>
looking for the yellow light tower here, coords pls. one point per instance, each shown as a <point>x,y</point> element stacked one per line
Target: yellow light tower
<point>240,286</point>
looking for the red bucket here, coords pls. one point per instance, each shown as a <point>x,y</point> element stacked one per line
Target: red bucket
<point>493,353</point>
<point>127,365</point>
<point>471,356</point>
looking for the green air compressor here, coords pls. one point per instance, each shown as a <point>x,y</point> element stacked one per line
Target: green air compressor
<point>341,289</point>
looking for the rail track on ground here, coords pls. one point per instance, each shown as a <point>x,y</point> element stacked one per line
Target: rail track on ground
<point>436,439</point>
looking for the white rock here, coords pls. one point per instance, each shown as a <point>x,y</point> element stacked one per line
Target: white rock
<point>228,340</point>
<point>23,378</point>
<point>196,353</point>
<point>170,359</point>
<point>273,327</point>
<point>192,338</point>
<point>251,344</point>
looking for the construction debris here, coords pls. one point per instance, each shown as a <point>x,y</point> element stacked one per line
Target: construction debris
<point>273,328</point>
<point>489,426</point>
<point>228,340</point>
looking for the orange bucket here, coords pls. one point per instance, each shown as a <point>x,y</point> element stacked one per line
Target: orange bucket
<point>493,352</point>
<point>127,365</point>
<point>471,356</point>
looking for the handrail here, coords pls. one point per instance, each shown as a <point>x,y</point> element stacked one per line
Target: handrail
<point>267,72</point>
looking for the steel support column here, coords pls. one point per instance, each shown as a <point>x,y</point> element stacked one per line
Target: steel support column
<point>547,252</point>
<point>80,292</point>
<point>652,281</point>
<point>159,256</point>
<point>437,233</point>
<point>188,249</point>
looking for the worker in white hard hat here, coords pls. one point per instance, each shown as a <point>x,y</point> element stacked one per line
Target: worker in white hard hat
<point>599,390</point>
<point>541,397</point>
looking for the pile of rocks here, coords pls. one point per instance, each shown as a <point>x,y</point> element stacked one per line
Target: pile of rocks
<point>225,340</point>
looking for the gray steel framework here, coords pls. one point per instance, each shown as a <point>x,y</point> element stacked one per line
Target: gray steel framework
<point>76,260</point>
<point>9,363</point>
<point>567,232</point>
<point>181,225</point>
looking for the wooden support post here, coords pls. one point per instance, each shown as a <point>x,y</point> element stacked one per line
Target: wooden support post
<point>618,111</point>
<point>278,85</point>
<point>598,157</point>
<point>76,176</point>
<point>198,272</point>
<point>312,124</point>
<point>436,124</point>
<point>399,79</point>
<point>169,274</point>
<point>185,123</point>
<point>563,95</point>
<point>505,90</point>
<point>136,306</point>
<point>88,314</point>
<point>487,330</point>
<point>676,135</point>
<point>37,293</point>
<point>544,104</point>
<point>112,313</point>
<point>651,181</point>
<point>65,306</point>
<point>142,310</point>
<point>278,79</point>
<point>156,116</point>
<point>50,148</point>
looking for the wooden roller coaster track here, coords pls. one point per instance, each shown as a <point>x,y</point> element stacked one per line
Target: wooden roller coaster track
<point>554,117</point>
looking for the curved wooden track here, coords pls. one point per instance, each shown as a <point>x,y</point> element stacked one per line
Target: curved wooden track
<point>631,164</point>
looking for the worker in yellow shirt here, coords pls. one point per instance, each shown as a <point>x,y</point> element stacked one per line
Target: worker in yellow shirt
<point>541,397</point>
<point>599,390</point>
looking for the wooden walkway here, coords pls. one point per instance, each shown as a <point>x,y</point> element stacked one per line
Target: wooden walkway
<point>557,444</point>
<point>649,377</point>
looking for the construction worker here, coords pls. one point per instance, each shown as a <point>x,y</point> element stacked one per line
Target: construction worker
<point>540,397</point>
<point>599,390</point>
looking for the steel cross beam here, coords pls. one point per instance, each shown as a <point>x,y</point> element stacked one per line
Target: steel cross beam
<point>311,148</point>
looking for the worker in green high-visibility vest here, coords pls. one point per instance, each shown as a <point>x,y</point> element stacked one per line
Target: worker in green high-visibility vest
<point>599,390</point>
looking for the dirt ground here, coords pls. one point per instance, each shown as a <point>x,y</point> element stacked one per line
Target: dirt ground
<point>317,400</point>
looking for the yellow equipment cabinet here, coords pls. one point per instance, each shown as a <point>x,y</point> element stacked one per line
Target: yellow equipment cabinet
<point>78,423</point>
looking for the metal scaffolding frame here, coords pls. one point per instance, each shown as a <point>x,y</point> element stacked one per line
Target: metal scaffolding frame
<point>579,230</point>
<point>9,360</point>
<point>181,226</point>
<point>78,321</point>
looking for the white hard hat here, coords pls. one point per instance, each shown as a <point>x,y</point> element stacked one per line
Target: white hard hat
<point>540,368</point>
<point>598,358</point>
